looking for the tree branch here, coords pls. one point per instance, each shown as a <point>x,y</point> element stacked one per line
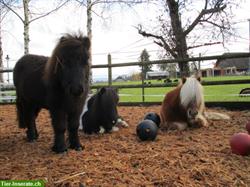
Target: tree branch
<point>206,3</point>
<point>12,10</point>
<point>214,24</point>
<point>202,13</point>
<point>162,42</point>
<point>4,10</point>
<point>50,12</point>
<point>112,1</point>
<point>202,45</point>
<point>3,15</point>
<point>119,1</point>
<point>82,3</point>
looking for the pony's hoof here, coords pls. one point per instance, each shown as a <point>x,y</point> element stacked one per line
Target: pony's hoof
<point>125,124</point>
<point>121,123</point>
<point>59,149</point>
<point>198,123</point>
<point>81,148</point>
<point>31,140</point>
<point>102,130</point>
<point>32,137</point>
<point>77,148</point>
<point>114,129</point>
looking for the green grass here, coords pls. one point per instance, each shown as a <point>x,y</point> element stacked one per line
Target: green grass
<point>6,94</point>
<point>225,92</point>
<point>212,93</point>
<point>218,78</point>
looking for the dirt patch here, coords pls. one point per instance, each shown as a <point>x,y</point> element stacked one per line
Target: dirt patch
<point>200,157</point>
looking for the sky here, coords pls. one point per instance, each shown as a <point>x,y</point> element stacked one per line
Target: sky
<point>116,34</point>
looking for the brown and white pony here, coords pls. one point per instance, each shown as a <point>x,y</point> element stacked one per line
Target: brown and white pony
<point>184,106</point>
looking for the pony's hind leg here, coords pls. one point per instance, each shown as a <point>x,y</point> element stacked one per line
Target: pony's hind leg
<point>20,113</point>
<point>73,125</point>
<point>29,115</point>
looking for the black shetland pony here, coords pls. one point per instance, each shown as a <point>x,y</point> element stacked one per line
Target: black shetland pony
<point>100,113</point>
<point>60,84</point>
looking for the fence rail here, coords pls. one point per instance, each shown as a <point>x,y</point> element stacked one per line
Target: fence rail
<point>109,65</point>
<point>224,104</point>
<point>11,87</point>
<point>5,70</point>
<point>152,62</point>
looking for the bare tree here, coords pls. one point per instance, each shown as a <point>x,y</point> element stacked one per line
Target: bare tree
<point>185,25</point>
<point>1,50</point>
<point>26,18</point>
<point>89,4</point>
<point>3,13</point>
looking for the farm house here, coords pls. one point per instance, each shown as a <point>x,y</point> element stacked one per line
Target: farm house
<point>157,75</point>
<point>227,67</point>
<point>233,66</point>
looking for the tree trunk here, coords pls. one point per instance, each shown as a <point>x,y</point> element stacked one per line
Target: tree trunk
<point>89,33</point>
<point>1,50</point>
<point>179,36</point>
<point>26,26</point>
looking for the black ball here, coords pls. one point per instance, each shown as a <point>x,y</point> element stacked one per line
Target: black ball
<point>154,117</point>
<point>146,130</point>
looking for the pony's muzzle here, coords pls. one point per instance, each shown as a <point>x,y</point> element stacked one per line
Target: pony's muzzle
<point>192,113</point>
<point>76,90</point>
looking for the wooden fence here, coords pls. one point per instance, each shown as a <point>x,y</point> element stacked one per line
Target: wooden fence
<point>109,66</point>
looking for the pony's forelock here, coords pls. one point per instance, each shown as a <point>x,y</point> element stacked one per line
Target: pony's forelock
<point>191,91</point>
<point>65,40</point>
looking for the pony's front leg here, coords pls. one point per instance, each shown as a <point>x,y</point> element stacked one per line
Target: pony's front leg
<point>59,125</point>
<point>73,125</point>
<point>180,126</point>
<point>121,122</point>
<point>201,120</point>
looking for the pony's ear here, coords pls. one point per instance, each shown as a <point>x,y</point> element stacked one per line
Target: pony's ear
<point>63,38</point>
<point>86,42</point>
<point>183,80</point>
<point>102,90</point>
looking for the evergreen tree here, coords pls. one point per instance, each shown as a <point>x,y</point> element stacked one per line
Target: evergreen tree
<point>144,58</point>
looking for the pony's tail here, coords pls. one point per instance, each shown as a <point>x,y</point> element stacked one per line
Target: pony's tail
<point>20,114</point>
<point>216,116</point>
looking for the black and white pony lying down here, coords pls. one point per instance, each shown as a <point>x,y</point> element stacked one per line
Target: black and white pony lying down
<point>100,114</point>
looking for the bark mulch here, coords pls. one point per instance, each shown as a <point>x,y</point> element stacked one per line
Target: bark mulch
<point>200,157</point>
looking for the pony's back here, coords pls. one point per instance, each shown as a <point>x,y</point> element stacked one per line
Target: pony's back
<point>27,77</point>
<point>28,64</point>
<point>171,109</point>
<point>102,111</point>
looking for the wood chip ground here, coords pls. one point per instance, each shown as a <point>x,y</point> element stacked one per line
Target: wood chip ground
<point>200,157</point>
